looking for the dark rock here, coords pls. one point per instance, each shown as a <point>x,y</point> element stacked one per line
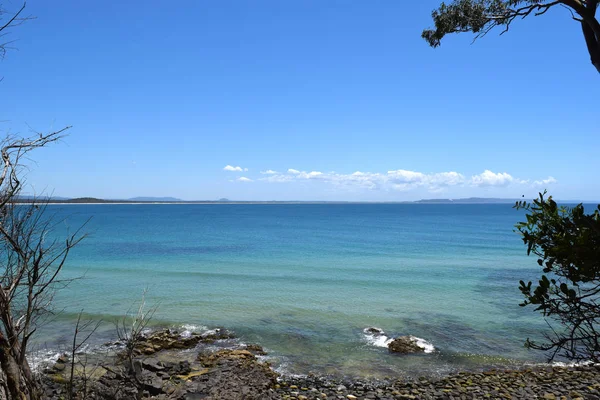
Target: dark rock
<point>63,358</point>
<point>404,345</point>
<point>374,331</point>
<point>154,385</point>
<point>256,349</point>
<point>59,366</point>
<point>181,368</point>
<point>152,364</point>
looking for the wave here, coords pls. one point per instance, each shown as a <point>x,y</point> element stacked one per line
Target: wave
<point>564,364</point>
<point>188,330</point>
<point>424,344</point>
<point>42,358</point>
<point>377,337</point>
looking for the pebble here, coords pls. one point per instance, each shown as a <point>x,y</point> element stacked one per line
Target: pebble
<point>558,383</point>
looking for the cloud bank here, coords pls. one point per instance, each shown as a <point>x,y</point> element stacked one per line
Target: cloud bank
<point>403,180</point>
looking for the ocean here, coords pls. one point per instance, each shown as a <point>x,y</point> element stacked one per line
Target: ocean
<point>306,280</point>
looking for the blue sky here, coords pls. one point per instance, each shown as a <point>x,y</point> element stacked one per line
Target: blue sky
<point>339,100</point>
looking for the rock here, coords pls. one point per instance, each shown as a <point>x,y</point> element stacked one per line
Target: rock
<point>374,331</point>
<point>152,364</point>
<point>193,374</point>
<point>181,368</point>
<point>154,385</point>
<point>63,359</point>
<point>147,350</point>
<point>256,349</point>
<point>59,366</point>
<point>404,345</point>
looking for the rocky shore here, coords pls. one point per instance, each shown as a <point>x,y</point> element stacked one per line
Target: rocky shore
<point>166,365</point>
<point>551,383</point>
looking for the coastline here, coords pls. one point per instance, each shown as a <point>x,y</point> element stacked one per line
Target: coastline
<point>179,365</point>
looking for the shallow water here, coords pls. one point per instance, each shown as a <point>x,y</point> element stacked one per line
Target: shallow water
<point>306,280</point>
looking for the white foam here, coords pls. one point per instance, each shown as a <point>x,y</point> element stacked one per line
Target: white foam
<point>42,358</point>
<point>564,364</point>
<point>283,370</point>
<point>424,344</point>
<point>377,337</point>
<point>188,329</point>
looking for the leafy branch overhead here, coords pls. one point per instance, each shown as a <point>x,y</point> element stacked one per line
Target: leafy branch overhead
<point>481,16</point>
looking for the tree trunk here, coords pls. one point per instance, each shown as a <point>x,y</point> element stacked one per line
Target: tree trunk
<point>11,371</point>
<point>592,41</point>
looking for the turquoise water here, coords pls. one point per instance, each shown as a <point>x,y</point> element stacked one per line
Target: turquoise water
<point>305,280</point>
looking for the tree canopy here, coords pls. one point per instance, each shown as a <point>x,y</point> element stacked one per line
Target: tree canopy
<point>566,242</point>
<point>481,16</point>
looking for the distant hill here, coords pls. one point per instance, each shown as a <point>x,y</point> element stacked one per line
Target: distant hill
<point>28,197</point>
<point>84,200</point>
<point>141,198</point>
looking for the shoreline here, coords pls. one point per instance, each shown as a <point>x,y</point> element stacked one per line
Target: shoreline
<point>179,365</point>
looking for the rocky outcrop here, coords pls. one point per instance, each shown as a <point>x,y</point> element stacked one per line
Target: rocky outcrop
<point>225,374</point>
<point>173,340</point>
<point>405,345</point>
<point>235,374</point>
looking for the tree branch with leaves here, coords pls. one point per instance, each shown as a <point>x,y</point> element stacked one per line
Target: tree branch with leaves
<point>566,242</point>
<point>482,16</point>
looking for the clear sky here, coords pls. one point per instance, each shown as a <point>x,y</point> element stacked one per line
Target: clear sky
<point>299,99</point>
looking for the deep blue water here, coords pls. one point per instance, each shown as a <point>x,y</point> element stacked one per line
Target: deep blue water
<point>305,280</point>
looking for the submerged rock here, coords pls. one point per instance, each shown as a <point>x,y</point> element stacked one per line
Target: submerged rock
<point>405,345</point>
<point>374,331</point>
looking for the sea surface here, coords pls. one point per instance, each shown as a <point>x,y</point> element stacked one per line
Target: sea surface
<point>306,280</point>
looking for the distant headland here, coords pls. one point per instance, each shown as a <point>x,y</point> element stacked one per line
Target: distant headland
<point>174,200</point>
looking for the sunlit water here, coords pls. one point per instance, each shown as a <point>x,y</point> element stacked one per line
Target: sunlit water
<point>305,280</point>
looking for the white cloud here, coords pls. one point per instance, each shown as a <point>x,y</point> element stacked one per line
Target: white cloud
<point>279,178</point>
<point>244,179</point>
<point>489,178</point>
<point>548,181</point>
<point>309,175</point>
<point>446,179</point>
<point>402,176</point>
<point>234,169</point>
<point>400,179</point>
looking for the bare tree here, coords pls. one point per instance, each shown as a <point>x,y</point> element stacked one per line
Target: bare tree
<point>83,332</point>
<point>9,20</point>
<point>30,264</point>
<point>130,330</point>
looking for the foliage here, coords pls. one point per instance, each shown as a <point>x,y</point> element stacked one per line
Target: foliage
<point>566,241</point>
<point>481,16</point>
